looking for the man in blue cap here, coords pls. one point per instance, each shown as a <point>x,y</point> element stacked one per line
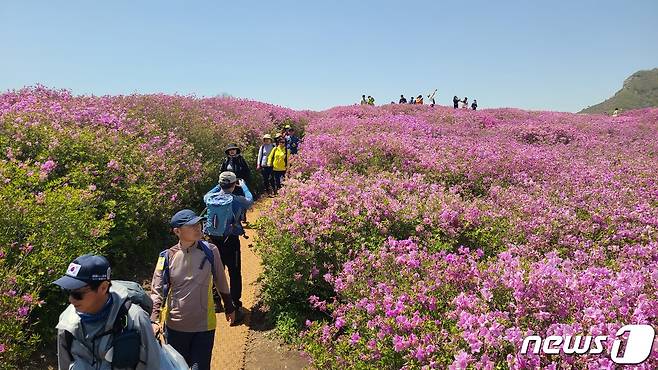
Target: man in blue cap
<point>181,291</point>
<point>100,320</point>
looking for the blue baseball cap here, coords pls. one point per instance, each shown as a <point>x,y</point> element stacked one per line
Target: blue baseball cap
<point>185,217</point>
<point>84,270</point>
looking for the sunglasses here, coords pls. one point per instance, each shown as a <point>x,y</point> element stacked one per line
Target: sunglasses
<point>78,295</point>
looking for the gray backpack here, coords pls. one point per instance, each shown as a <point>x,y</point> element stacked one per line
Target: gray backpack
<point>126,341</point>
<point>136,294</point>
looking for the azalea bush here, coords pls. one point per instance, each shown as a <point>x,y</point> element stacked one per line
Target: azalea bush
<point>412,237</point>
<point>82,174</point>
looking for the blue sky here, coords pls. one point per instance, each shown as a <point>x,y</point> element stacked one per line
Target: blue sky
<point>554,55</point>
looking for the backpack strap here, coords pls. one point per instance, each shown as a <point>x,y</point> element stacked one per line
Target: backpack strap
<point>203,245</point>
<point>165,273</point>
<point>68,342</point>
<point>230,227</point>
<point>120,321</point>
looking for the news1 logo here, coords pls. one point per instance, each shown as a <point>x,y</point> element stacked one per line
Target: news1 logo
<point>637,346</point>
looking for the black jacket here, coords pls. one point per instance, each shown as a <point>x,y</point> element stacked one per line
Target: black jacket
<point>238,165</point>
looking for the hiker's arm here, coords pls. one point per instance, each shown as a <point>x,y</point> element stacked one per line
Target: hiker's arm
<point>247,194</point>
<point>221,284</point>
<point>64,359</point>
<point>156,292</point>
<point>150,351</point>
<point>259,160</point>
<point>270,158</point>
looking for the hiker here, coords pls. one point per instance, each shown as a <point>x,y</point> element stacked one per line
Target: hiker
<point>224,208</point>
<point>371,100</point>
<point>292,141</point>
<point>474,105</point>
<point>465,103</point>
<point>412,100</point>
<point>278,159</point>
<point>102,328</point>
<point>616,112</point>
<point>419,99</point>
<point>261,164</point>
<point>455,102</point>
<point>364,101</point>
<point>235,163</point>
<point>180,290</point>
<point>430,97</point>
<point>403,100</point>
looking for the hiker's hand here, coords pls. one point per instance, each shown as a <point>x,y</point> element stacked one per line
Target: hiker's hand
<point>257,168</point>
<point>156,328</point>
<point>230,317</point>
<point>241,182</point>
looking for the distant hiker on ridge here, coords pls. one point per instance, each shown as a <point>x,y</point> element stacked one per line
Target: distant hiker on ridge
<point>430,97</point>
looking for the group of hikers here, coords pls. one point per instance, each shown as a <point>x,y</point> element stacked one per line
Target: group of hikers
<point>367,101</point>
<point>418,99</point>
<point>114,324</point>
<point>272,160</point>
<point>457,103</point>
<point>463,104</point>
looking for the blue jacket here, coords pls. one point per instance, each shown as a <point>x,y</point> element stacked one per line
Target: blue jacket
<point>292,142</point>
<point>239,204</point>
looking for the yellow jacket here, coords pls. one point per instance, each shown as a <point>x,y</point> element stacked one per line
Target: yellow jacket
<point>279,159</point>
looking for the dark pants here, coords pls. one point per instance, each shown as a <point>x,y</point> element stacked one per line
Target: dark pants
<point>268,179</point>
<point>278,176</point>
<point>196,347</point>
<point>229,251</point>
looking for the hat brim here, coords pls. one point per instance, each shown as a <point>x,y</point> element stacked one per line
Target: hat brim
<point>69,283</point>
<point>194,221</point>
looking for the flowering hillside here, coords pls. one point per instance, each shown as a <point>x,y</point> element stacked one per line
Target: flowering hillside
<point>439,238</point>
